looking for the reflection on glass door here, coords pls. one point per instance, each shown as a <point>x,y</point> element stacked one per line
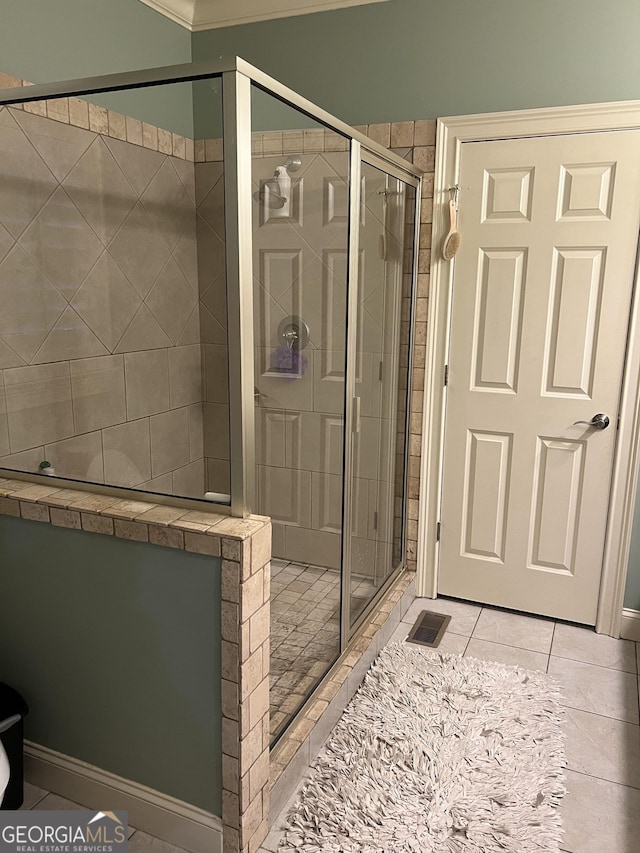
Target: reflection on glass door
<point>380,406</point>
<point>300,208</point>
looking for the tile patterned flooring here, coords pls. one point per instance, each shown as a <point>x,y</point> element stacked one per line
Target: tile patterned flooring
<point>305,632</point>
<point>599,681</point>
<point>139,842</point>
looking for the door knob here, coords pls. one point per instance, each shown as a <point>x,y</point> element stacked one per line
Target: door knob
<point>599,421</point>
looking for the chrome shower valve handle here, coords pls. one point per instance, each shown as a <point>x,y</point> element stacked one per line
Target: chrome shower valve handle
<point>599,421</point>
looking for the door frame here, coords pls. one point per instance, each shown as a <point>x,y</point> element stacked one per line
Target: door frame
<point>451,133</point>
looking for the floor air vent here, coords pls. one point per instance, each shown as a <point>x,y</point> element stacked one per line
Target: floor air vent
<point>429,629</point>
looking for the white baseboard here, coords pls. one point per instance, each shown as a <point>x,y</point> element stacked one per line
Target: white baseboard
<point>630,628</point>
<point>162,816</point>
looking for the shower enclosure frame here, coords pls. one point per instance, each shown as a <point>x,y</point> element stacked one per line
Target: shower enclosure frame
<point>238,77</point>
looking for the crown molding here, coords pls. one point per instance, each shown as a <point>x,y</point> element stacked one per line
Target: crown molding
<point>197,15</point>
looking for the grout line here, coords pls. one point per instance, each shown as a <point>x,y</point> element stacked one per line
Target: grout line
<point>475,624</point>
<point>509,645</point>
<point>591,663</point>
<point>553,636</point>
<point>608,781</point>
<point>45,794</point>
<point>596,714</point>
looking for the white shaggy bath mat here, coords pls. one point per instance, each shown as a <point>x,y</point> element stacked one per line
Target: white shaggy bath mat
<point>437,754</point>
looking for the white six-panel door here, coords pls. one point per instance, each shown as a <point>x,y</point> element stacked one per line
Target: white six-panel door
<point>541,299</point>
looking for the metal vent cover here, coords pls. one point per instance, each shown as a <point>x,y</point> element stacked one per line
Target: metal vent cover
<point>429,629</point>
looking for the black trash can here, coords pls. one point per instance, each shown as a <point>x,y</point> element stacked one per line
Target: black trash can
<point>13,710</point>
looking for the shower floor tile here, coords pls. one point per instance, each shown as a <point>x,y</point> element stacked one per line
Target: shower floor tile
<point>305,632</point>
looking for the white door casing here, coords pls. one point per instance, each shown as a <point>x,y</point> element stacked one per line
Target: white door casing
<point>540,313</point>
<point>452,133</point>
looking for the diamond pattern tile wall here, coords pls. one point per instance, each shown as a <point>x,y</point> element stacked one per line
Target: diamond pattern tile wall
<point>98,257</point>
<point>168,204</point>
<point>106,301</point>
<point>62,244</point>
<point>210,246</point>
<point>31,305</point>
<point>59,145</point>
<point>171,300</point>
<point>139,250</point>
<point>100,190</point>
<point>69,338</point>
<point>138,164</point>
<point>6,241</point>
<point>25,182</point>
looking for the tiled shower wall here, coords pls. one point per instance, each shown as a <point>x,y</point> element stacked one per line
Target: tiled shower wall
<point>275,445</point>
<point>172,371</point>
<point>100,361</point>
<point>213,318</point>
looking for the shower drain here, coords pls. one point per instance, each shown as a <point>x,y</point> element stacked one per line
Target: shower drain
<point>428,629</point>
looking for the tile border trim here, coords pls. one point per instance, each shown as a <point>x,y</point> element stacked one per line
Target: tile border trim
<point>88,116</point>
<point>207,533</point>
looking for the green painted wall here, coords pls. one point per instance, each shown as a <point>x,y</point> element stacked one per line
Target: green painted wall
<point>409,59</point>
<point>116,647</point>
<point>49,40</point>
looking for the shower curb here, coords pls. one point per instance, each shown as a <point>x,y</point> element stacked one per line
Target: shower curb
<point>301,742</point>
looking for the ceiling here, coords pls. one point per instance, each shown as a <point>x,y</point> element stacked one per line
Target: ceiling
<point>197,15</point>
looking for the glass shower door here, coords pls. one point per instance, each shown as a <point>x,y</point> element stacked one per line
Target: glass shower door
<point>380,404</point>
<point>300,207</point>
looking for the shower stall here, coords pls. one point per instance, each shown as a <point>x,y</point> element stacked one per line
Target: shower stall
<point>213,305</point>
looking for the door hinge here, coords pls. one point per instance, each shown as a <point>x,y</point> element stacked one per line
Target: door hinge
<point>375,520</point>
<point>446,374</point>
<point>380,373</point>
<point>618,422</point>
<point>438,528</point>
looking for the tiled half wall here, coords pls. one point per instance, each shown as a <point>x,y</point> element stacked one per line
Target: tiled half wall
<point>244,544</point>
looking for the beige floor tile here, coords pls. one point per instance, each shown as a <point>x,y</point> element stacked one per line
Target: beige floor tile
<point>401,633</point>
<point>514,629</point>
<point>597,689</point>
<point>571,641</point>
<point>509,655</point>
<point>32,796</point>
<point>41,799</point>
<point>463,616</point>
<point>603,747</point>
<point>452,644</point>
<point>599,816</point>
<point>54,802</point>
<point>140,842</point>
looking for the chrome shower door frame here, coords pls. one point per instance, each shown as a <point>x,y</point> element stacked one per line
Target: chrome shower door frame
<point>395,167</point>
<point>238,77</point>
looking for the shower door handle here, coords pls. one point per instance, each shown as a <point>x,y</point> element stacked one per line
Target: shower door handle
<point>356,414</point>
